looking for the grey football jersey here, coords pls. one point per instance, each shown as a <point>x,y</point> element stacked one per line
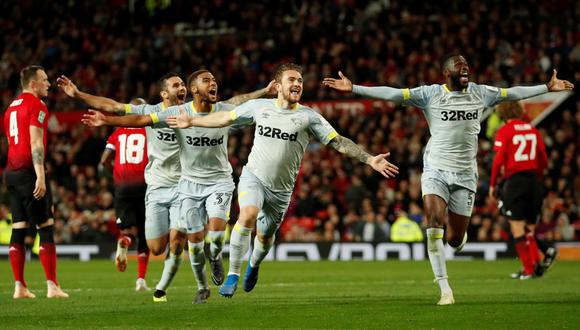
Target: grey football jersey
<point>203,151</point>
<point>280,139</point>
<point>454,122</point>
<point>163,168</point>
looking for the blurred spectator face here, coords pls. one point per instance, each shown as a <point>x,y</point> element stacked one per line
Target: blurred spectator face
<point>205,88</point>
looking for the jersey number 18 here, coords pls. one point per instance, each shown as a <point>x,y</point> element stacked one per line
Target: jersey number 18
<point>132,148</point>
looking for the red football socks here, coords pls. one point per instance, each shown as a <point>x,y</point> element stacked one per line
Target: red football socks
<point>48,259</point>
<point>17,254</point>
<point>143,260</point>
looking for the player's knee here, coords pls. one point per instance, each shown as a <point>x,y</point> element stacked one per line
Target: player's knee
<point>156,249</point>
<point>196,237</point>
<point>248,216</point>
<point>176,246</point>
<point>455,241</point>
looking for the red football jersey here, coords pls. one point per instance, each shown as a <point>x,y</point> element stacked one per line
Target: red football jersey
<point>519,147</point>
<point>25,111</point>
<point>130,146</point>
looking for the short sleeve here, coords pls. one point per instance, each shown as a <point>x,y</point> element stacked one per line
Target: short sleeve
<point>160,118</point>
<point>39,115</point>
<point>141,109</point>
<point>243,114</point>
<point>321,128</point>
<point>111,140</point>
<point>418,96</point>
<point>491,95</point>
<point>499,140</point>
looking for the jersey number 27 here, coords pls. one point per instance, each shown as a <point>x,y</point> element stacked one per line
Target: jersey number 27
<point>523,153</point>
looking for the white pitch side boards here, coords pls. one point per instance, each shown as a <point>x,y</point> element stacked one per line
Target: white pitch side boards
<point>379,252</point>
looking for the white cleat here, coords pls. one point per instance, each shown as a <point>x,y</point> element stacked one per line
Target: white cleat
<point>22,292</point>
<point>121,254</point>
<point>141,285</point>
<point>446,299</point>
<point>54,291</point>
<point>460,247</point>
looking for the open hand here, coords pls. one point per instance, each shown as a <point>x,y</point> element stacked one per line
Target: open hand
<point>39,188</point>
<point>271,88</point>
<point>67,86</point>
<point>380,164</point>
<point>94,118</point>
<point>343,84</point>
<point>180,121</point>
<point>556,85</point>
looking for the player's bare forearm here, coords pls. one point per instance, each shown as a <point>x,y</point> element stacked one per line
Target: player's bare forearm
<point>102,103</point>
<point>217,119</point>
<point>239,99</point>
<point>37,150</point>
<point>348,147</point>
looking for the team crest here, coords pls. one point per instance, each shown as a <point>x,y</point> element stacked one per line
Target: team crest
<point>297,122</point>
<point>41,117</point>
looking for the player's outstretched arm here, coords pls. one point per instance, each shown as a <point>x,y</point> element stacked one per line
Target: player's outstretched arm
<point>524,92</point>
<point>98,102</point>
<point>353,150</point>
<point>239,99</point>
<point>96,119</point>
<point>383,92</point>
<point>216,119</point>
<point>37,151</point>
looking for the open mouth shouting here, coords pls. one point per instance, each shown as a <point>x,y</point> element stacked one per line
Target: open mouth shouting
<point>295,92</point>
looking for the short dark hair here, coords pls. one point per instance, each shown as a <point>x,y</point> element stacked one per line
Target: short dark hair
<point>29,73</point>
<point>162,82</point>
<point>509,110</point>
<point>192,77</point>
<point>449,60</point>
<point>285,67</point>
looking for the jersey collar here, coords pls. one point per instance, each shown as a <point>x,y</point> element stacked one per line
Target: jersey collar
<point>448,91</point>
<point>195,110</point>
<point>293,107</point>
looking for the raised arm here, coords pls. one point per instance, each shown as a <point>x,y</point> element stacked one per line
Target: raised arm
<point>96,119</point>
<point>524,92</point>
<point>345,85</point>
<point>239,99</point>
<point>378,163</point>
<point>216,119</point>
<point>37,150</point>
<point>98,102</point>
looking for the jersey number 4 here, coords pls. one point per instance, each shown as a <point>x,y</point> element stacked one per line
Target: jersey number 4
<point>132,148</point>
<point>14,127</point>
<point>523,153</point>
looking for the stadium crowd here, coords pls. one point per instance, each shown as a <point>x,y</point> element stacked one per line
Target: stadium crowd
<point>109,49</point>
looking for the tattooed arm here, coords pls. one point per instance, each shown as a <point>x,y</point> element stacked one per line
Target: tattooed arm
<point>98,102</point>
<point>239,99</point>
<point>378,163</point>
<point>37,150</point>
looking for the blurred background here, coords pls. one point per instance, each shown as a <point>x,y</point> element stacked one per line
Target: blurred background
<point>119,49</point>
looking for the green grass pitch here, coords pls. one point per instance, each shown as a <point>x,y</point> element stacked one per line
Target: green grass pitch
<point>324,295</point>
